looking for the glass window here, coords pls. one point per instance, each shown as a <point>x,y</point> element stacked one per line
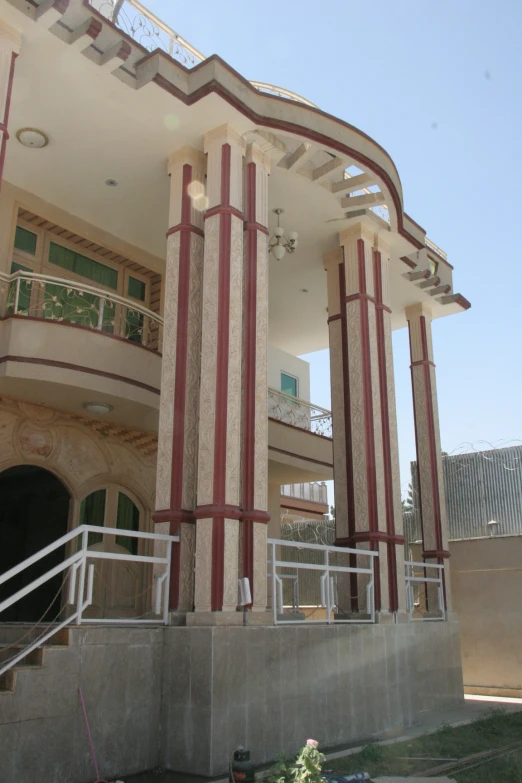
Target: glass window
<point>136,289</point>
<point>25,240</point>
<point>92,512</point>
<point>433,266</point>
<point>288,384</point>
<point>83,266</point>
<point>127,518</point>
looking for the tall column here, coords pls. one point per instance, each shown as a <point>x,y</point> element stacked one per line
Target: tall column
<point>390,441</point>
<point>219,461</point>
<point>367,500</point>
<point>427,436</point>
<point>255,376</point>
<point>179,408</point>
<point>10,41</point>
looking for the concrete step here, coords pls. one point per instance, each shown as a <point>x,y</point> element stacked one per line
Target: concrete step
<point>7,682</point>
<point>19,633</point>
<point>33,658</point>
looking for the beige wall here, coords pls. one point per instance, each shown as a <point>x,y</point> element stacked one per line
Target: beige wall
<point>486,576</point>
<point>280,361</point>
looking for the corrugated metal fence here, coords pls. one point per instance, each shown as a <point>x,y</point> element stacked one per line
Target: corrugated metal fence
<point>481,487</point>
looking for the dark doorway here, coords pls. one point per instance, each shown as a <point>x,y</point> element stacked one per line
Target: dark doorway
<point>34,510</point>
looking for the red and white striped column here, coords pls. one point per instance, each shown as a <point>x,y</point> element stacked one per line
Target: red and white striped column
<point>10,42</point>
<point>179,408</point>
<point>255,377</point>
<point>220,404</point>
<point>367,489</point>
<point>429,454</point>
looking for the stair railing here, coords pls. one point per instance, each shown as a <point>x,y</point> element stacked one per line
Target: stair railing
<point>81,580</point>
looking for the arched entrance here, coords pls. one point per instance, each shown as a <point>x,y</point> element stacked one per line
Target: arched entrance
<point>34,510</point>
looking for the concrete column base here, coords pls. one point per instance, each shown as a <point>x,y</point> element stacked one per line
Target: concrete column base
<point>258,618</point>
<point>214,618</point>
<point>177,618</point>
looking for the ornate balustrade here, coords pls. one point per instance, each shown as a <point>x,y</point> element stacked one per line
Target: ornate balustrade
<point>150,32</point>
<point>67,301</point>
<point>299,413</point>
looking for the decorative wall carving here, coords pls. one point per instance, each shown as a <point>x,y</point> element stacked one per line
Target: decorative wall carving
<point>76,448</point>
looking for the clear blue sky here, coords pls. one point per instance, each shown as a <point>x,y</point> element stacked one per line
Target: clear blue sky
<point>439,85</point>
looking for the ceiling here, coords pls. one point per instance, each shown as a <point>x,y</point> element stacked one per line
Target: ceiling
<point>100,128</point>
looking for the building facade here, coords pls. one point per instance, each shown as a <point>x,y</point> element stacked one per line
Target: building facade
<point>153,313</point>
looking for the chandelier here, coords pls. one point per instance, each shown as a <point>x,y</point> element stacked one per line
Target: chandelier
<point>279,244</point>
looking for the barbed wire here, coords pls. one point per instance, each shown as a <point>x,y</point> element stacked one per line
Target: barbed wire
<point>458,461</point>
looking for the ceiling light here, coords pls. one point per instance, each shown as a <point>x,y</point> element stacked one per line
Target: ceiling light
<point>32,137</point>
<point>279,244</point>
<point>99,408</point>
<point>111,182</point>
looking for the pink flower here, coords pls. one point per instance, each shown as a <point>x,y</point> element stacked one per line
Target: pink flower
<point>313,743</point>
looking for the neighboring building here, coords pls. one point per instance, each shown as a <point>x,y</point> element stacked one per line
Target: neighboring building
<point>153,313</point>
<point>484,506</point>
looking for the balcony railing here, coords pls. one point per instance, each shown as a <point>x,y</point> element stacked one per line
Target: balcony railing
<point>299,413</point>
<point>150,32</point>
<point>58,299</point>
<point>312,491</point>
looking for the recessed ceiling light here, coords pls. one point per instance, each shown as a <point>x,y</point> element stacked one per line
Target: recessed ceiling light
<point>100,408</point>
<point>111,182</point>
<point>32,137</point>
<point>304,290</point>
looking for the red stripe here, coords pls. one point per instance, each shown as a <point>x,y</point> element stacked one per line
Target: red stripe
<point>180,386</point>
<point>350,499</point>
<point>249,371</point>
<point>185,227</point>
<point>386,444</point>
<point>5,135</point>
<point>220,432</point>
<point>371,477</point>
<point>220,210</point>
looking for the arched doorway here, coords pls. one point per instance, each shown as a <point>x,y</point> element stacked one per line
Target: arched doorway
<point>34,510</point>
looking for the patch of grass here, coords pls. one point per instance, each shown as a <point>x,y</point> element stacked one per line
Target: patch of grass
<point>495,730</point>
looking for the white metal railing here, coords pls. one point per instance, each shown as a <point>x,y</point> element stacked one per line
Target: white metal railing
<point>328,589</point>
<point>148,30</point>
<point>299,413</point>
<point>80,572</point>
<point>313,491</point>
<point>68,301</point>
<point>415,577</point>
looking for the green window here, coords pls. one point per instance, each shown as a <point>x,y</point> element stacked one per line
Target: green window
<point>134,328</point>
<point>433,266</point>
<point>25,240</point>
<point>136,289</point>
<point>127,518</point>
<point>288,384</point>
<point>92,512</point>
<point>83,266</point>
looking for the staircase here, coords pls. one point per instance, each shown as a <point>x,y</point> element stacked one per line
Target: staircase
<point>14,639</point>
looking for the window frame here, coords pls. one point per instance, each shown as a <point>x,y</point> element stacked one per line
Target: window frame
<point>294,378</point>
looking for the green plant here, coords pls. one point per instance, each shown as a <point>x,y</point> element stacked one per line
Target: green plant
<point>305,768</point>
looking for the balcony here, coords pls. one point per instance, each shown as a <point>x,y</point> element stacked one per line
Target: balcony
<point>58,299</point>
<point>311,492</point>
<point>299,413</point>
<point>64,344</point>
<point>150,32</point>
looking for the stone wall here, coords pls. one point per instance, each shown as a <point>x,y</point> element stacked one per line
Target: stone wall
<point>184,698</point>
<point>271,688</point>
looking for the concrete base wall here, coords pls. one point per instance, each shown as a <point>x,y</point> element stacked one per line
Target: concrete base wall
<point>183,698</point>
<point>486,582</point>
